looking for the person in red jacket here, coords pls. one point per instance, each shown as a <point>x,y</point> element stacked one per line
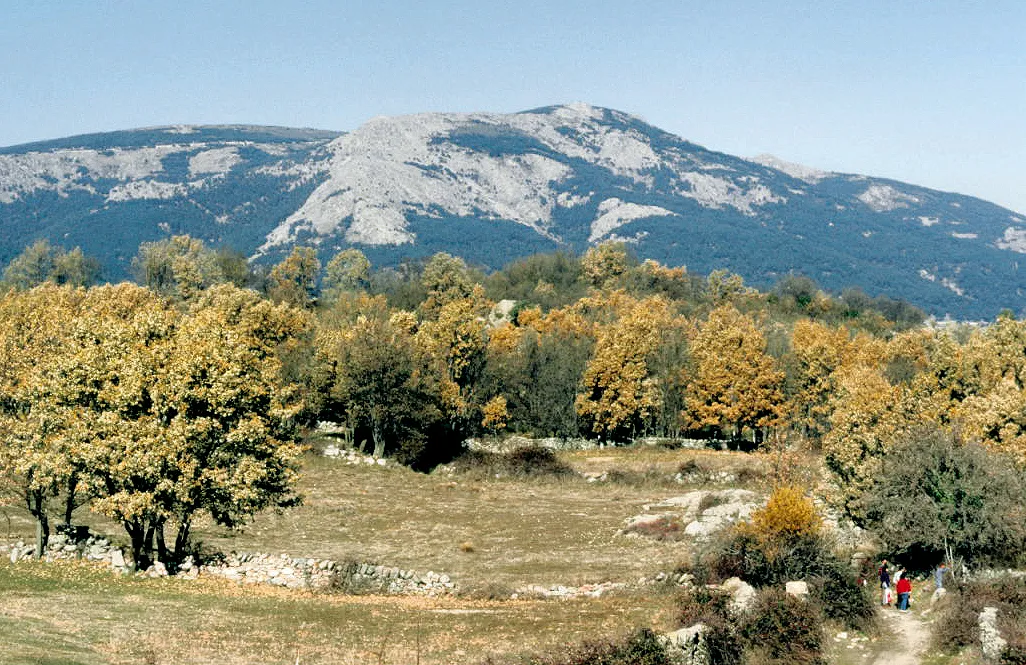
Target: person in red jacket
<point>904,589</point>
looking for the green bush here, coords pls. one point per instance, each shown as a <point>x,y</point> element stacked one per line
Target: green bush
<point>641,648</point>
<point>701,604</point>
<point>529,461</point>
<point>833,584</point>
<point>711,607</point>
<point>784,629</point>
<point>935,493</point>
<point>1014,655</point>
<point>841,598</point>
<point>741,554</point>
<point>958,623</point>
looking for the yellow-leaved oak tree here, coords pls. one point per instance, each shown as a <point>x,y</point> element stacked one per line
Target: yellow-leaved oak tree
<point>454,347</point>
<point>161,415</point>
<point>218,435</point>
<point>620,390</point>
<point>294,280</point>
<point>993,410</point>
<point>41,415</point>
<point>735,386</point>
<point>818,352</point>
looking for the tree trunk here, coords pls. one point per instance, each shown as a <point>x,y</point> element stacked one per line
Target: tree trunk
<point>161,546</point>
<point>42,535</point>
<point>379,439</point>
<point>36,504</point>
<point>141,548</point>
<point>69,500</point>
<point>181,543</point>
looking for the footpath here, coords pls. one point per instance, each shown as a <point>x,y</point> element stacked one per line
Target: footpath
<point>910,637</point>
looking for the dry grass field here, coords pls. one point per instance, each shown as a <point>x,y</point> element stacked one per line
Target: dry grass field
<point>491,535</point>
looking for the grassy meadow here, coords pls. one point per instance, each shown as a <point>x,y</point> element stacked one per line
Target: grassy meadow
<point>491,535</point>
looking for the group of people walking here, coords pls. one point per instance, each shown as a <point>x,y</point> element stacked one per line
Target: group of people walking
<point>903,585</point>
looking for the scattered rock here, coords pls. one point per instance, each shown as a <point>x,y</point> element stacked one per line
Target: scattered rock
<point>689,645</point>
<point>798,589</point>
<point>991,642</point>
<point>742,593</point>
<point>703,511</point>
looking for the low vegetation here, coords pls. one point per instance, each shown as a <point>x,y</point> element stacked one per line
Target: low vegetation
<point>104,618</point>
<point>958,629</point>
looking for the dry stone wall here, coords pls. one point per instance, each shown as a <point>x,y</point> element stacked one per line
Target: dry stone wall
<point>280,570</point>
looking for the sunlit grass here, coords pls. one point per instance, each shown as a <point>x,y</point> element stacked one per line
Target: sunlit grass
<point>81,614</point>
<point>539,531</point>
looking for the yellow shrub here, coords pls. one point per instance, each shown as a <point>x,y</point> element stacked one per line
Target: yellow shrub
<point>787,516</point>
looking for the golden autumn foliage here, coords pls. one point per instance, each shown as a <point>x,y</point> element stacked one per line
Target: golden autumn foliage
<point>294,280</point>
<point>619,391</point>
<point>735,385</point>
<point>495,414</point>
<point>153,413</point>
<point>605,263</point>
<point>788,515</point>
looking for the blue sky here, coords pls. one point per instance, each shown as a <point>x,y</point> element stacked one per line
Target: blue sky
<point>932,93</point>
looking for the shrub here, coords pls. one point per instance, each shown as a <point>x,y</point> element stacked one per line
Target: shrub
<point>783,543</point>
<point>742,554</point>
<point>648,476</point>
<point>530,461</point>
<point>1014,655</point>
<point>788,516</point>
<point>536,461</point>
<point>690,468</point>
<point>662,528</point>
<point>702,605</point>
<point>641,648</point>
<point>710,500</point>
<point>712,608</point>
<point>935,493</point>
<point>957,626</point>
<point>840,597</point>
<point>785,629</point>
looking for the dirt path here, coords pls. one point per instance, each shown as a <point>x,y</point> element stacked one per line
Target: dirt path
<point>911,636</point>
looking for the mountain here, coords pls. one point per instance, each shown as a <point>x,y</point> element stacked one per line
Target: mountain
<point>493,187</point>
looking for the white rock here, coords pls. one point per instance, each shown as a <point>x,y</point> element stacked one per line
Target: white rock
<point>799,589</point>
<point>690,645</point>
<point>742,593</point>
<point>991,642</point>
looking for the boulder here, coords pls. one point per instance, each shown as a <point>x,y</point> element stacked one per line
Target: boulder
<point>688,646</point>
<point>701,530</point>
<point>798,589</point>
<point>117,558</point>
<point>991,642</point>
<point>742,593</point>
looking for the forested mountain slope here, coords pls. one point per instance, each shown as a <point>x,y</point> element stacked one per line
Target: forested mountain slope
<point>492,187</point>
